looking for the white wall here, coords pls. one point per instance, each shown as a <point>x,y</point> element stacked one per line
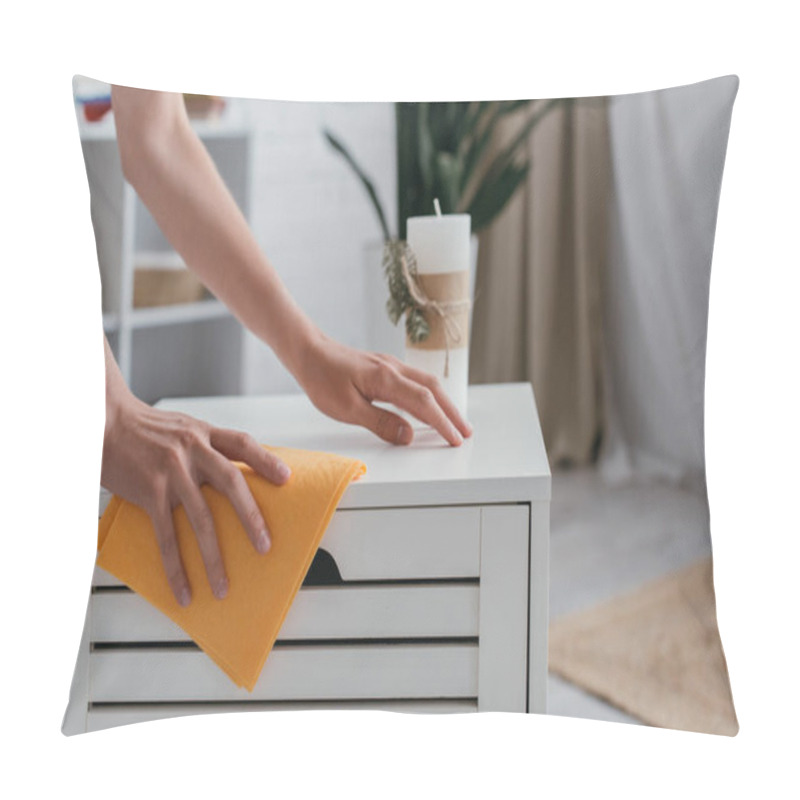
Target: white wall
<point>311,215</point>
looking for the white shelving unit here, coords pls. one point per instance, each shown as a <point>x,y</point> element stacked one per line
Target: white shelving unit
<point>184,349</point>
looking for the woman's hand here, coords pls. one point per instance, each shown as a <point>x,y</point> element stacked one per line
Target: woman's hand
<point>343,383</point>
<point>159,460</point>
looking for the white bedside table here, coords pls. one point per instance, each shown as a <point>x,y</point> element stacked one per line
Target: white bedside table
<point>431,593</point>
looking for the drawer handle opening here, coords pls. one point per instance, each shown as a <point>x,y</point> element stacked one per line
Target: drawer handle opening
<point>323,571</point>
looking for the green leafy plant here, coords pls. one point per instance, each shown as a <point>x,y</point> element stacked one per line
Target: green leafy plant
<point>443,152</point>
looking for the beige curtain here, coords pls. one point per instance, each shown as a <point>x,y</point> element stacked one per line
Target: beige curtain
<point>537,308</point>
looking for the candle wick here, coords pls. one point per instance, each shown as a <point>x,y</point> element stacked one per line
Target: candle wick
<point>437,206</point>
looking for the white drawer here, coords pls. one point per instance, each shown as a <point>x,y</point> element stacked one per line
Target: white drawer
<point>397,543</point>
<point>142,675</point>
<point>340,612</point>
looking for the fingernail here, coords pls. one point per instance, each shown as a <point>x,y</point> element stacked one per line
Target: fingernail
<point>222,589</point>
<point>459,439</point>
<point>284,471</point>
<point>185,597</point>
<point>468,427</point>
<point>263,543</point>
<point>403,435</point>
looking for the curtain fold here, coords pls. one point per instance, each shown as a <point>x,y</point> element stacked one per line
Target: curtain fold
<point>668,154</point>
<point>537,314</point>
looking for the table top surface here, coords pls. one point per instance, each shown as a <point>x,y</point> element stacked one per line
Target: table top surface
<point>503,461</point>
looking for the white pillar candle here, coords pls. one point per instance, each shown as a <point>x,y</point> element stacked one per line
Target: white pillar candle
<point>441,245</point>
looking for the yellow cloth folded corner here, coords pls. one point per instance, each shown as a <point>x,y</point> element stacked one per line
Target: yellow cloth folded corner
<point>239,631</point>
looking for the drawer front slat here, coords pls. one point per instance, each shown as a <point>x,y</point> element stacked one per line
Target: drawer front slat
<point>356,612</point>
<point>396,544</point>
<point>291,673</point>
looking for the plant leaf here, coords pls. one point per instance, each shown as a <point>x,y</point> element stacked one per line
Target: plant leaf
<point>510,151</point>
<point>448,173</point>
<point>493,194</point>
<point>511,106</point>
<point>366,182</point>
<point>425,146</point>
<point>478,144</point>
<point>475,112</point>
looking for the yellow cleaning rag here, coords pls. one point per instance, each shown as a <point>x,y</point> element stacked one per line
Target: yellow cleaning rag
<point>239,631</point>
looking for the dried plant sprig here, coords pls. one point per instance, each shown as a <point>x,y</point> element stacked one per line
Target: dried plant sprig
<point>400,301</point>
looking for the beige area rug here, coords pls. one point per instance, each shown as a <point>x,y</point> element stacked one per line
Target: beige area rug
<point>656,653</point>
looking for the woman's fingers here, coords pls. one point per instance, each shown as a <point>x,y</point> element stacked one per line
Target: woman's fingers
<point>202,522</point>
<point>170,554</point>
<point>384,424</point>
<point>432,383</point>
<point>418,400</point>
<point>228,479</point>
<point>239,446</point>
<point>212,464</point>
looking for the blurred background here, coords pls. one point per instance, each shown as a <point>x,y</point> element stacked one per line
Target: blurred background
<point>593,222</point>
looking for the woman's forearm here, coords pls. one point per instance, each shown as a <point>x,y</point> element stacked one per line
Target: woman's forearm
<point>171,170</point>
<point>176,179</point>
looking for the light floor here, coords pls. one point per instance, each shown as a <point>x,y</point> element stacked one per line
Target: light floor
<point>607,541</point>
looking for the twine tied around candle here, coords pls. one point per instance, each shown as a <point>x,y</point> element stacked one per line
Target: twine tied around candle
<point>444,308</point>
